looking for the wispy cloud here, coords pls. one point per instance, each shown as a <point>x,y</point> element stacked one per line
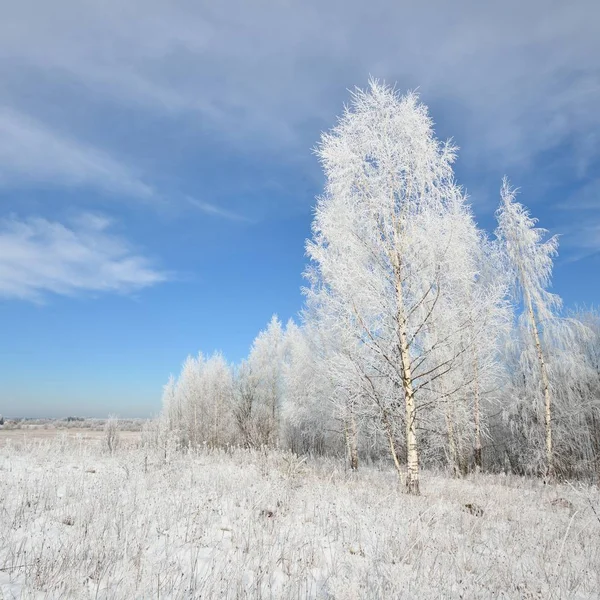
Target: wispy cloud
<point>38,256</point>
<point>520,77</point>
<point>216,211</point>
<point>512,81</point>
<point>580,241</point>
<point>580,222</point>
<point>31,153</point>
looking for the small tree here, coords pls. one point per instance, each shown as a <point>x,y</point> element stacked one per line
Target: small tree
<point>266,361</point>
<point>112,434</point>
<point>313,408</point>
<point>250,415</point>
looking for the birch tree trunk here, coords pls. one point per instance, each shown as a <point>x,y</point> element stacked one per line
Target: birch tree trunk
<point>390,435</point>
<point>412,449</point>
<point>545,388</point>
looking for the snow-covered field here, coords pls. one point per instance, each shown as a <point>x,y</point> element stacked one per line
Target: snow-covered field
<point>77,523</point>
<point>72,433</point>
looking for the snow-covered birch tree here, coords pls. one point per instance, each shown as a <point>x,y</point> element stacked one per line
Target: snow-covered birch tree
<point>530,259</point>
<point>197,406</point>
<point>266,363</point>
<point>307,414</point>
<point>343,374</point>
<point>382,245</point>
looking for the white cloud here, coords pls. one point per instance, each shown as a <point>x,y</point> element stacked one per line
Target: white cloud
<point>214,210</point>
<point>581,241</point>
<point>512,81</point>
<point>31,153</point>
<point>580,222</point>
<point>521,76</point>
<point>38,256</point>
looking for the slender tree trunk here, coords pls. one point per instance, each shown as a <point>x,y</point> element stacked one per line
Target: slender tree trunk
<point>595,430</point>
<point>216,421</point>
<point>274,424</point>
<point>351,439</point>
<point>476,411</point>
<point>545,388</point>
<point>195,424</point>
<point>412,449</point>
<point>452,443</point>
<point>390,435</point>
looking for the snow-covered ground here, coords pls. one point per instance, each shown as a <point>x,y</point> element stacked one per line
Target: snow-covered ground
<point>77,523</point>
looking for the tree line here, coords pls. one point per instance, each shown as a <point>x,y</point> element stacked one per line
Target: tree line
<point>423,339</point>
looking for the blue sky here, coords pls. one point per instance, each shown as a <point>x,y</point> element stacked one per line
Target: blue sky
<point>156,174</point>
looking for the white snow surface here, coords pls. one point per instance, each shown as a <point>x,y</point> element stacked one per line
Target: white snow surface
<point>77,523</point>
